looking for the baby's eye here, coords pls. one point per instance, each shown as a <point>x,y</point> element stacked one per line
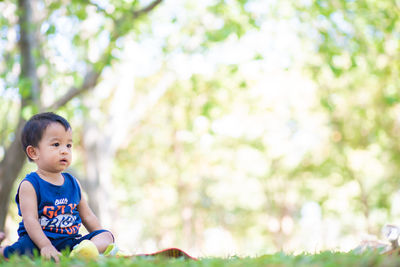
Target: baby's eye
<point>56,144</point>
<point>69,145</point>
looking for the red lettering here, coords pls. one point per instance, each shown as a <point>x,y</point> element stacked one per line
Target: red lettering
<point>48,211</point>
<point>62,208</point>
<point>72,206</point>
<point>72,229</point>
<point>69,231</point>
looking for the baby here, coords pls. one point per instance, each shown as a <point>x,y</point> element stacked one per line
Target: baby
<point>49,200</point>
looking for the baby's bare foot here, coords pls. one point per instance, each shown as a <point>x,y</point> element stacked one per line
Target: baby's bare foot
<point>2,236</point>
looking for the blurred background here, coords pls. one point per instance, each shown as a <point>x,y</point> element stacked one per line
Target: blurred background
<point>222,127</point>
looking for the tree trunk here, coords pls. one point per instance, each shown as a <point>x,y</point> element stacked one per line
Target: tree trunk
<point>10,167</point>
<point>28,44</point>
<point>14,158</point>
<point>98,174</point>
<point>102,143</point>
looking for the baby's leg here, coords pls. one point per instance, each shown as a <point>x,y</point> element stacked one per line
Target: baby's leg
<point>102,240</point>
<point>24,246</point>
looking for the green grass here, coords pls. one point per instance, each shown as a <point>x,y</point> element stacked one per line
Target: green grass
<point>326,259</point>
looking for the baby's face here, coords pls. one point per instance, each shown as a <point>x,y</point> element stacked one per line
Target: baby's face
<point>55,148</point>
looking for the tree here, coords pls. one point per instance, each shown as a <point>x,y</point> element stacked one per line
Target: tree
<point>38,68</point>
<point>68,46</point>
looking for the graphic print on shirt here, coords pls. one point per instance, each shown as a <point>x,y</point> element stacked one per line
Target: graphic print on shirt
<point>59,218</point>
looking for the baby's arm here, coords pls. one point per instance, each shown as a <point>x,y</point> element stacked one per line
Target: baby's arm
<point>29,211</point>
<point>89,219</point>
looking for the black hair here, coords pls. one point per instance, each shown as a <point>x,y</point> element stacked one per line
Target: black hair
<point>35,127</point>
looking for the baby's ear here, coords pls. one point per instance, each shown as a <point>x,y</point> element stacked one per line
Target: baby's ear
<point>32,153</point>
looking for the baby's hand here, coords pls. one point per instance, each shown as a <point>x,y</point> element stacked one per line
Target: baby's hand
<point>50,252</point>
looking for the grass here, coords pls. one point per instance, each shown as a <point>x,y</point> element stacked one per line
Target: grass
<point>326,259</point>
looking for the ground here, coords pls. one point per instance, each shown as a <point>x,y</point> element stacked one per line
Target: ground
<point>279,259</point>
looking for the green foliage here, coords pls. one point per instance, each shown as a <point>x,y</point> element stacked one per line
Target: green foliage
<point>357,63</point>
<point>236,20</point>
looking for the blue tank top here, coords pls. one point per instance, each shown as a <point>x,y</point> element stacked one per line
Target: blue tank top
<point>57,206</point>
